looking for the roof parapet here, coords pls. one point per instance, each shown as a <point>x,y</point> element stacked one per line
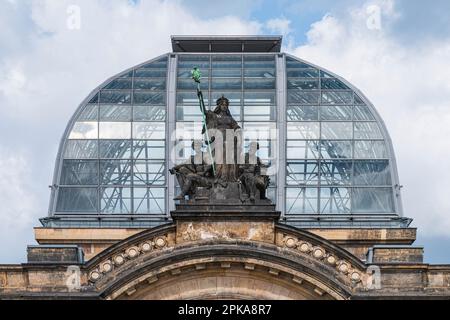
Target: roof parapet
<point>226,43</point>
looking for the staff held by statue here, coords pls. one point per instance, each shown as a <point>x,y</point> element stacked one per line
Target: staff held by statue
<point>196,76</point>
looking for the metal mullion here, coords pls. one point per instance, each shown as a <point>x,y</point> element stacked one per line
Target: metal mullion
<point>242,116</point>
<point>171,92</point>
<point>99,189</point>
<point>132,145</point>
<point>319,114</point>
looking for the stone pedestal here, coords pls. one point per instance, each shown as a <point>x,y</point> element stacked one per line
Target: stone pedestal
<point>252,222</point>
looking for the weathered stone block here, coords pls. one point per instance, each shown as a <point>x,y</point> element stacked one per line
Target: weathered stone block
<point>55,254</point>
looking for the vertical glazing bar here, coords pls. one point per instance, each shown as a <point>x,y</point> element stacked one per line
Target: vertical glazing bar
<point>281,126</point>
<point>170,130</point>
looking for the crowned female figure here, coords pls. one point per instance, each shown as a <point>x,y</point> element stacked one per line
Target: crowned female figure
<point>221,120</point>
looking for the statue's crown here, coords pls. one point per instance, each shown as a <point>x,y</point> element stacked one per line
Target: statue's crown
<point>222,98</point>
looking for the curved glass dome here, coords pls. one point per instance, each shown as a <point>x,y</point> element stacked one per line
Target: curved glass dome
<point>336,165</point>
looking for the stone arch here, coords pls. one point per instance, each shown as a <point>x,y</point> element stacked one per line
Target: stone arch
<point>152,265</point>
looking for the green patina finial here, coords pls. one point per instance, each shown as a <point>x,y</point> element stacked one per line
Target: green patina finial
<point>196,74</point>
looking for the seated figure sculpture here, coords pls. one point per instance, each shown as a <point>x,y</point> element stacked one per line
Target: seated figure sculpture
<point>190,176</point>
<point>252,177</point>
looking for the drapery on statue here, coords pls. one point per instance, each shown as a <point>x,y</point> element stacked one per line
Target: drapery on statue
<point>238,182</point>
<point>222,120</point>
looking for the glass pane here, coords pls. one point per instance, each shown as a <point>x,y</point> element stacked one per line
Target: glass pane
<point>115,130</point>
<point>116,200</point>
<point>226,73</point>
<point>302,149</point>
<point>333,84</point>
<point>189,113</point>
<point>325,75</point>
<point>77,200</point>
<point>149,113</point>
<point>336,113</point>
<point>301,200</point>
<point>374,172</point>
<point>95,98</point>
<point>150,73</point>
<point>368,149</point>
<point>303,73</point>
<point>232,61</point>
<point>294,63</point>
<point>337,130</point>
<point>190,61</point>
<point>117,97</point>
<point>84,130</point>
<point>149,130</point>
<point>115,149</point>
<point>260,73</point>
<point>160,63</point>
<point>372,200</point>
<point>259,83</point>
<point>119,84</point>
<point>149,200</point>
<point>259,130</point>
<point>115,113</point>
<point>367,130</point>
<point>149,149</point>
<point>81,149</point>
<point>358,100</point>
<point>189,130</point>
<point>303,97</point>
<point>259,98</point>
<point>299,113</point>
<point>337,97</point>
<point>336,172</point>
<point>150,84</point>
<point>226,84</point>
<point>259,113</point>
<point>302,84</point>
<point>115,172</point>
<point>150,97</point>
<point>148,172</point>
<point>335,200</point>
<point>303,130</point>
<point>330,149</point>
<point>189,84</point>
<point>362,113</point>
<point>126,74</point>
<point>79,172</point>
<point>259,62</point>
<point>302,172</point>
<point>190,99</point>
<point>89,113</point>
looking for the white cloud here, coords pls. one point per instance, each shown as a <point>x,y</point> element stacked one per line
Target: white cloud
<point>16,190</point>
<point>279,25</point>
<point>409,86</point>
<point>45,75</point>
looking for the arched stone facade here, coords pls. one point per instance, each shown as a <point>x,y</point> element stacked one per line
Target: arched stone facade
<point>295,265</point>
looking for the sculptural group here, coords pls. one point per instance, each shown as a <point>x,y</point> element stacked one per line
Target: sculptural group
<point>232,174</point>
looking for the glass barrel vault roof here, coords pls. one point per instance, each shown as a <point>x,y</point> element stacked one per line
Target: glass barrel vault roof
<point>336,162</point>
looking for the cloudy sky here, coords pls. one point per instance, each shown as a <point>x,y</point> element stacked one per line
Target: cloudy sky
<point>396,51</point>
